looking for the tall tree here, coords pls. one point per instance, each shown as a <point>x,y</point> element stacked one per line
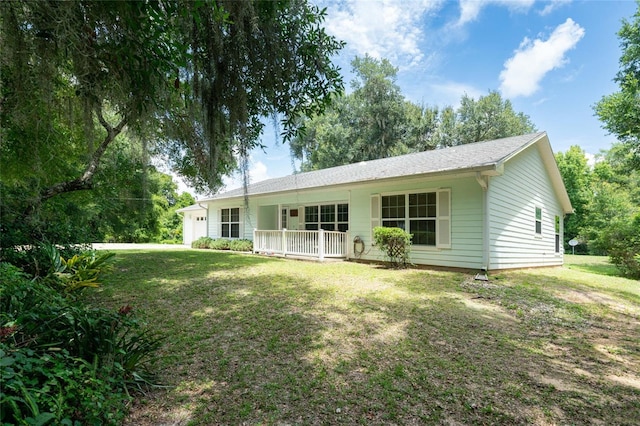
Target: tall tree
<point>488,118</point>
<point>620,111</point>
<point>577,177</point>
<point>195,76</point>
<point>364,125</point>
<point>376,121</point>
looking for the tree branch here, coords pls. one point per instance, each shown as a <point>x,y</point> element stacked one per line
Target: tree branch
<point>86,180</point>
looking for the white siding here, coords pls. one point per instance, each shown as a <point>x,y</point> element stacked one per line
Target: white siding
<point>466,221</point>
<point>214,217</point>
<point>512,201</point>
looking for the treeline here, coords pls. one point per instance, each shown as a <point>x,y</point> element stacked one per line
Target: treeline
<point>375,120</point>
<point>131,201</point>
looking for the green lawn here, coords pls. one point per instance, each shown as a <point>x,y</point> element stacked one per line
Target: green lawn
<point>257,340</point>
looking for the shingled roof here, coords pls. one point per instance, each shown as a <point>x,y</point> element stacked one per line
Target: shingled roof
<point>479,156</point>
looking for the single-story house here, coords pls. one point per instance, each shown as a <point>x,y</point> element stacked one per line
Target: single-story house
<point>488,205</point>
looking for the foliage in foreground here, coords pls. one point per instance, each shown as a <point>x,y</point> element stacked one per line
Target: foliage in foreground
<point>222,244</point>
<point>63,362</point>
<point>395,243</point>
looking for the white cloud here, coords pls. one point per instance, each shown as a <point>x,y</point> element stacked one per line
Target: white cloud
<point>553,5</point>
<point>383,29</point>
<point>532,60</point>
<point>257,173</point>
<point>449,93</point>
<point>470,9</point>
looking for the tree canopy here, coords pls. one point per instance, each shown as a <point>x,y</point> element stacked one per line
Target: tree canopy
<point>198,76</point>
<point>188,81</point>
<point>620,111</point>
<point>375,121</point>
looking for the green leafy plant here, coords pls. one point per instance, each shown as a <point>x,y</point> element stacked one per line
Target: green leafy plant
<point>622,240</point>
<point>202,243</point>
<point>241,245</point>
<point>63,362</point>
<point>79,271</point>
<point>222,244</point>
<point>395,243</point>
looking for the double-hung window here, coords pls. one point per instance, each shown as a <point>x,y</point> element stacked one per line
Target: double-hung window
<point>422,218</point>
<point>538,220</point>
<point>416,213</point>
<point>330,217</point>
<point>230,223</point>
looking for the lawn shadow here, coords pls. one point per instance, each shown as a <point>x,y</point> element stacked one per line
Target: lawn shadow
<point>264,343</point>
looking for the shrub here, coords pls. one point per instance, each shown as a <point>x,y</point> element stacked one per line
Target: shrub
<point>64,362</point>
<point>241,245</point>
<point>220,244</point>
<point>79,271</point>
<point>35,259</point>
<point>394,242</point>
<point>202,243</point>
<point>622,242</point>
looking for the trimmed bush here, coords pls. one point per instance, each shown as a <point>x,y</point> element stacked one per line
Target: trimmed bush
<point>241,245</point>
<point>202,243</point>
<point>395,243</point>
<point>222,244</point>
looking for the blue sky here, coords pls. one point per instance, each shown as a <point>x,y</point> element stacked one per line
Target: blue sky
<point>553,59</point>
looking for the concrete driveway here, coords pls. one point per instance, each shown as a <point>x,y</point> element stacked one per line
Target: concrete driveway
<point>133,246</point>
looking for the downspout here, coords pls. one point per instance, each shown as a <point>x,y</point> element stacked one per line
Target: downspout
<point>483,181</point>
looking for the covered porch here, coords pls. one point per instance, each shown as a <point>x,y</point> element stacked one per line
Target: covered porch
<point>319,244</point>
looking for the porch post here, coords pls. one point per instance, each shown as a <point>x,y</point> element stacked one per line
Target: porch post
<point>254,240</point>
<point>321,245</point>
<point>347,238</point>
<point>284,241</point>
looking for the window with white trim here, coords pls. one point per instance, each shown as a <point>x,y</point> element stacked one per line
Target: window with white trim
<point>557,226</point>
<point>416,213</point>
<point>330,217</point>
<point>230,223</point>
<point>538,220</point>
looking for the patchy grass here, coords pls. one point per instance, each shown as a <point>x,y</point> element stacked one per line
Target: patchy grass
<point>256,340</point>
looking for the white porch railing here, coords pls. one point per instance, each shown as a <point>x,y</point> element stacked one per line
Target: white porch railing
<point>319,244</point>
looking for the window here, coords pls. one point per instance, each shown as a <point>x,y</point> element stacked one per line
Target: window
<point>230,223</point>
<point>330,217</point>
<point>557,234</point>
<point>311,218</point>
<point>538,220</point>
<point>283,219</point>
<point>201,218</point>
<point>422,218</point>
<point>393,211</point>
<point>418,210</point>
